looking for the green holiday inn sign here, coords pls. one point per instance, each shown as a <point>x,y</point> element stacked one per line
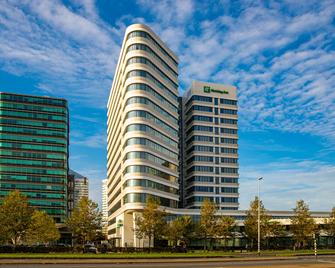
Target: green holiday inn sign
<point>208,89</point>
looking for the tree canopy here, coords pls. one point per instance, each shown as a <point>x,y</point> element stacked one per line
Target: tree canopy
<point>151,223</point>
<point>42,229</point>
<point>85,221</point>
<point>15,217</point>
<point>302,224</point>
<point>21,223</point>
<point>180,229</point>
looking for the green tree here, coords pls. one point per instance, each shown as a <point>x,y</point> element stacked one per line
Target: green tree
<point>15,217</point>
<point>273,231</point>
<point>179,229</point>
<point>330,225</point>
<point>224,228</point>
<point>302,224</point>
<point>42,229</point>
<point>251,222</point>
<point>151,223</point>
<point>85,221</point>
<point>208,221</point>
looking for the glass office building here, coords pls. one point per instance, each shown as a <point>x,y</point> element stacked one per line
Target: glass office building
<point>34,139</point>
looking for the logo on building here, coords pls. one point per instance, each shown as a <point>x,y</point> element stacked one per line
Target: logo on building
<point>208,89</point>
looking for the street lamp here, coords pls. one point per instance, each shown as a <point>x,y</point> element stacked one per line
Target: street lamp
<point>259,218</point>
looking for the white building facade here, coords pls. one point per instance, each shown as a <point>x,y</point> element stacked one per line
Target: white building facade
<point>142,132</point>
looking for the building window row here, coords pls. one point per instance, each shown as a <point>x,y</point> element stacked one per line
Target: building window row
<point>33,123</point>
<point>197,188</point>
<point>153,145</point>
<point>211,169</point>
<point>12,137</point>
<point>32,155</point>
<point>198,98</point>
<point>150,171</point>
<point>146,101</point>
<point>32,170</point>
<point>15,145</point>
<point>33,131</point>
<point>33,115</point>
<point>152,158</point>
<point>200,108</point>
<point>44,109</point>
<point>145,87</point>
<point>32,187</point>
<point>143,197</point>
<point>228,140</point>
<point>225,150</point>
<point>229,190</point>
<point>150,184</point>
<point>30,178</point>
<point>147,75</point>
<point>199,128</point>
<point>153,119</point>
<point>143,60</point>
<point>228,111</point>
<point>151,131</point>
<point>33,100</point>
<point>144,47</point>
<point>148,36</point>
<point>19,162</point>
<point>38,195</point>
<point>199,138</point>
<point>200,158</point>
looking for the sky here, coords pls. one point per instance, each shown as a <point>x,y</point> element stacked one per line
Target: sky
<point>279,54</point>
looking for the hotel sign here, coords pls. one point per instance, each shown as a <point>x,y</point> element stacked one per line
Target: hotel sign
<point>209,89</point>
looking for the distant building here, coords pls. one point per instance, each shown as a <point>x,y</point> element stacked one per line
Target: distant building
<point>34,140</point>
<point>80,187</point>
<point>104,200</point>
<point>104,205</point>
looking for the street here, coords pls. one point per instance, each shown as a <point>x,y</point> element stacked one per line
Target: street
<point>322,262</point>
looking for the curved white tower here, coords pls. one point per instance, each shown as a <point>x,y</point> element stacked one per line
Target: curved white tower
<point>142,134</point>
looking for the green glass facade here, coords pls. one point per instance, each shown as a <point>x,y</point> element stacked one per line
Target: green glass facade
<point>34,139</point>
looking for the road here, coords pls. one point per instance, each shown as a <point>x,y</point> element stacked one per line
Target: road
<point>322,262</point>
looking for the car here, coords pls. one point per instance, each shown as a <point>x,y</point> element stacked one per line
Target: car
<point>90,248</point>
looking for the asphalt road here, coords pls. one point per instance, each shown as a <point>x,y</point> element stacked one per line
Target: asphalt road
<point>323,262</point>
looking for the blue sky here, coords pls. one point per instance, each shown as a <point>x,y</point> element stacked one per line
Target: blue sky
<point>280,55</point>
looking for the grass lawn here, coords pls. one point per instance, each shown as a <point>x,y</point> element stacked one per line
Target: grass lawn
<point>193,254</point>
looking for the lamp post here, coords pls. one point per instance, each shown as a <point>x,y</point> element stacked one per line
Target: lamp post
<point>259,219</point>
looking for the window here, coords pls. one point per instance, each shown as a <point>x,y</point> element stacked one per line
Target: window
<point>228,121</point>
<point>228,102</point>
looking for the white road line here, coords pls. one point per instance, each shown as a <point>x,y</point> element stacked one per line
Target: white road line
<point>326,261</point>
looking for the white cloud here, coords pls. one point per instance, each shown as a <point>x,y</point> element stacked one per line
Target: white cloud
<point>74,56</point>
<point>287,181</point>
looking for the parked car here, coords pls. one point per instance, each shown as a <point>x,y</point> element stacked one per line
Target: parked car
<point>90,248</point>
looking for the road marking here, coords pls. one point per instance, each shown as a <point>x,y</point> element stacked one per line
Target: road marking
<point>326,261</point>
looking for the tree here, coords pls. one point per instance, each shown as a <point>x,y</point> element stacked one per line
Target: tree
<point>302,224</point>
<point>208,221</point>
<point>330,225</point>
<point>152,222</point>
<point>15,217</point>
<point>42,229</point>
<point>85,221</point>
<point>224,227</point>
<point>179,229</point>
<point>251,222</point>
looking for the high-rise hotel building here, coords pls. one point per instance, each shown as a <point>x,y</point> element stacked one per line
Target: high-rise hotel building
<point>142,134</point>
<point>210,159</point>
<point>34,151</point>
